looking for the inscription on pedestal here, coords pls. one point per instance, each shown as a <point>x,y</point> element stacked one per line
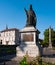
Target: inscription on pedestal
<point>28,37</point>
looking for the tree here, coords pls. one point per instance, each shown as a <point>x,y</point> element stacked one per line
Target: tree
<point>46,37</point>
<point>53,37</point>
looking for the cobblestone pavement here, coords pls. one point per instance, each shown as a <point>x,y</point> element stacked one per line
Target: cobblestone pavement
<point>10,63</point>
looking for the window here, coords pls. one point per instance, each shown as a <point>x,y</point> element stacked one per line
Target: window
<point>0,42</point>
<point>7,42</point>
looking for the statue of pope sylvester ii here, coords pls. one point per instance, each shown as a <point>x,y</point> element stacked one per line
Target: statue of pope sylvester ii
<point>31,17</point>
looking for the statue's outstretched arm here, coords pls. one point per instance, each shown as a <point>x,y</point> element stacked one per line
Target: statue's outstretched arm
<point>25,10</point>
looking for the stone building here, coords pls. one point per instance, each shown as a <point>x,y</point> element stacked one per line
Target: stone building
<point>9,36</point>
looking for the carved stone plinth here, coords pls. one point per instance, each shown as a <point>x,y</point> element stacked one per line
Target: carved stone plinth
<point>28,42</point>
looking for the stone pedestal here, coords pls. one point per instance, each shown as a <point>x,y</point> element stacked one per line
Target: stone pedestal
<point>29,42</point>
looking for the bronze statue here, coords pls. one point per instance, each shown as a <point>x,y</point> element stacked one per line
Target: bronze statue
<point>31,17</point>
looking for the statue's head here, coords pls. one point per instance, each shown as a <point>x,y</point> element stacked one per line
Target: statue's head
<point>30,7</point>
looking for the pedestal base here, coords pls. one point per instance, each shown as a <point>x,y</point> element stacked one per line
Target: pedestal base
<point>28,42</point>
<point>31,50</point>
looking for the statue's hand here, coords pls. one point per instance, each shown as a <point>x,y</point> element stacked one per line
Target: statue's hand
<point>25,10</point>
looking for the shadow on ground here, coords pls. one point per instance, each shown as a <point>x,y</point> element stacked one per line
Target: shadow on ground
<point>7,52</point>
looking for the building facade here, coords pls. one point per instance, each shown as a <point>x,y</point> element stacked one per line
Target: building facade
<point>9,36</point>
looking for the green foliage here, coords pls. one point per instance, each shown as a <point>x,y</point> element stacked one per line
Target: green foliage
<point>23,61</point>
<point>35,61</point>
<point>39,60</point>
<point>46,37</point>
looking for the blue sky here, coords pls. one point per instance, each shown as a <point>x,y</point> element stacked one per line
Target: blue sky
<point>12,13</point>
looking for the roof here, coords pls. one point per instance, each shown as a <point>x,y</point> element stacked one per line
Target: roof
<point>11,29</point>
